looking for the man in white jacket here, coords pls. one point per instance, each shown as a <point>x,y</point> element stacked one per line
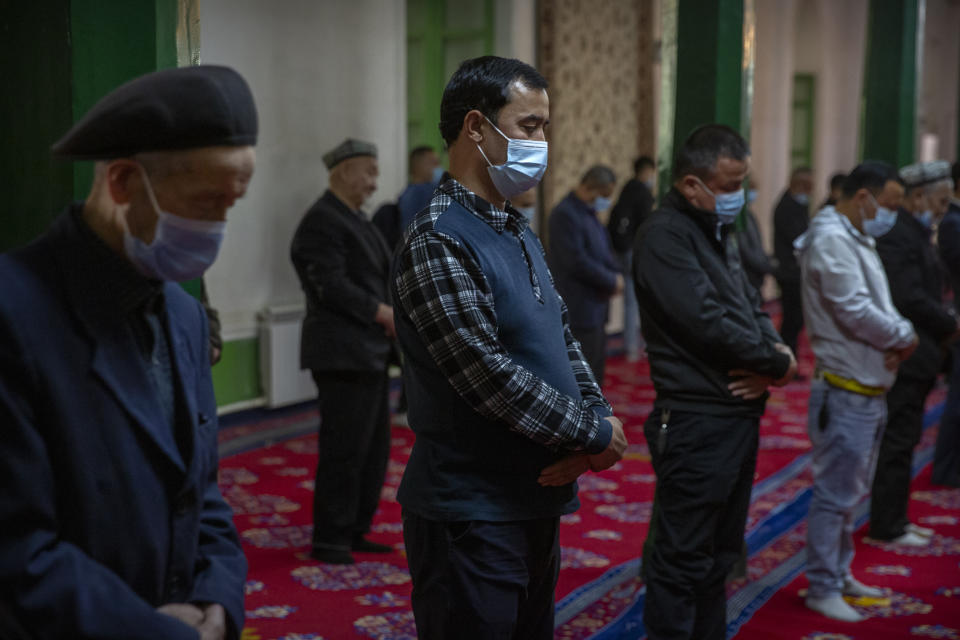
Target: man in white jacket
<point>859,339</point>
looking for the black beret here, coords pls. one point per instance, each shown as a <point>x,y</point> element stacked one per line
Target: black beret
<point>184,108</point>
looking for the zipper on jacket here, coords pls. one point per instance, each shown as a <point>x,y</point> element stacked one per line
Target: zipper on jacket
<point>662,436</point>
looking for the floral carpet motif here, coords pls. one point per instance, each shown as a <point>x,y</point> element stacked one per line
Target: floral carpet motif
<point>291,597</point>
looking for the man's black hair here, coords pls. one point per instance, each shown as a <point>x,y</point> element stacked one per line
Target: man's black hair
<point>836,181</point>
<point>483,84</point>
<point>416,152</point>
<point>871,175</point>
<point>598,175</point>
<point>642,163</point>
<point>707,144</point>
<point>800,170</point>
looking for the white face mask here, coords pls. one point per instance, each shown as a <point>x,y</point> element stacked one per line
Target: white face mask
<point>182,248</point>
<point>525,165</point>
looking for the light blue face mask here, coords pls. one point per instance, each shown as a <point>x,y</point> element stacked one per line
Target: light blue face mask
<point>726,205</point>
<point>802,198</point>
<point>882,222</point>
<point>601,204</point>
<point>926,218</point>
<point>182,248</point>
<point>437,174</point>
<point>525,165</point>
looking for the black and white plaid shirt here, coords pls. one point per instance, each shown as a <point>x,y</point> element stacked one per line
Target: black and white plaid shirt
<point>441,288</point>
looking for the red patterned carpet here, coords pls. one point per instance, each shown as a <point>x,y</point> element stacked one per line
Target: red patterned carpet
<point>291,597</point>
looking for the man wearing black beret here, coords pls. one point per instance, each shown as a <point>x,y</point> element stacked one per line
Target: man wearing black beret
<point>111,521</point>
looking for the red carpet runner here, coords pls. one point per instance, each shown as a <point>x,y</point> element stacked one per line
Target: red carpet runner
<point>291,597</point>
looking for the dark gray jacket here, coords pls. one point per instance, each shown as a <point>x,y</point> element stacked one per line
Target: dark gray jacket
<point>344,266</point>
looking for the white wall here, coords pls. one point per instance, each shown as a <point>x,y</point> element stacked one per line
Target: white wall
<point>827,39</point>
<point>938,86</point>
<point>842,57</point>
<point>320,72</point>
<point>772,95</point>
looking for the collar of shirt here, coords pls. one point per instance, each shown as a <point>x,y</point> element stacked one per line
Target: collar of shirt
<point>110,276</point>
<point>507,218</point>
<point>862,238</point>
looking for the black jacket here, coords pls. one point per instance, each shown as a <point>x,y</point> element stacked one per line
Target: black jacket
<point>948,243</point>
<point>916,287</point>
<point>343,263</point>
<point>699,315</point>
<point>790,220</point>
<point>633,206</point>
<point>755,261</point>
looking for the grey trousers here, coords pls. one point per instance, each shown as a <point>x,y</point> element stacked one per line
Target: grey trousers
<point>845,429</point>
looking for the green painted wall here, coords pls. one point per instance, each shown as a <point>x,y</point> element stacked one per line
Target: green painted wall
<point>57,58</point>
<point>113,42</point>
<point>709,65</point>
<point>35,109</point>
<point>890,82</point>
<point>237,376</point>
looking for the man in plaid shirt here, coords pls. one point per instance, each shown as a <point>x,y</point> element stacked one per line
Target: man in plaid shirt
<point>506,411</point>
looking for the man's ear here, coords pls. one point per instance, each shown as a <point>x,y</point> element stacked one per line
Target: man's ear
<point>122,176</point>
<point>688,186</point>
<point>472,123</point>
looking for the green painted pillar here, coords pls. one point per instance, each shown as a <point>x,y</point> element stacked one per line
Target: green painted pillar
<point>114,41</point>
<point>57,58</point>
<point>890,82</point>
<point>706,71</point>
<point>35,110</point>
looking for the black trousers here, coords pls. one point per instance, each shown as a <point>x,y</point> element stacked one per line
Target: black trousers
<point>354,444</point>
<point>483,580</point>
<point>791,302</point>
<point>704,466</point>
<point>891,481</point>
<point>946,454</point>
<point>593,343</point>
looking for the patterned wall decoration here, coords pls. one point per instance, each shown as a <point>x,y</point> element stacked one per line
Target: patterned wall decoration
<point>598,56</point>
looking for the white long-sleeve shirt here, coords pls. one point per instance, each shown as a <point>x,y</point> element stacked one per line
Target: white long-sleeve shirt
<point>847,307</point>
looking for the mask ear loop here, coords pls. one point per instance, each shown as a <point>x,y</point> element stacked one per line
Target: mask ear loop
<point>149,185</point>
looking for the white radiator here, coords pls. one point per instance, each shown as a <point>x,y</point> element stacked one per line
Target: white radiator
<point>283,381</point>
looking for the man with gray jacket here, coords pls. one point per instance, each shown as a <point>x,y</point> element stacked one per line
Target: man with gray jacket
<point>859,339</point>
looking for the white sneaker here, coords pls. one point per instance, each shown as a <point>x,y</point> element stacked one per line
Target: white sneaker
<point>855,588</point>
<point>911,539</point>
<point>926,532</point>
<point>834,607</point>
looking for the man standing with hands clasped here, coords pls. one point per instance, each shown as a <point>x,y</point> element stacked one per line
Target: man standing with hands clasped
<point>859,339</point>
<point>713,353</point>
<point>111,522</point>
<point>506,411</point>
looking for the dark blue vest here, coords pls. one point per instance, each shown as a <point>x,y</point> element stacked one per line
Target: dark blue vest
<point>464,466</point>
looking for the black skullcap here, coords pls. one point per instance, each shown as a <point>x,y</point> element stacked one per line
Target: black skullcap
<point>185,108</point>
<point>349,148</point>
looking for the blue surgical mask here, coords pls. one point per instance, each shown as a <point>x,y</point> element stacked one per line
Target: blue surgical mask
<point>802,198</point>
<point>726,205</point>
<point>751,196</point>
<point>525,165</point>
<point>881,223</point>
<point>926,218</point>
<point>601,204</point>
<point>437,174</point>
<point>182,248</point>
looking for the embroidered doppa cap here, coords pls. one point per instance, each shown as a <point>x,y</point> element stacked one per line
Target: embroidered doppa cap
<point>921,173</point>
<point>349,148</point>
